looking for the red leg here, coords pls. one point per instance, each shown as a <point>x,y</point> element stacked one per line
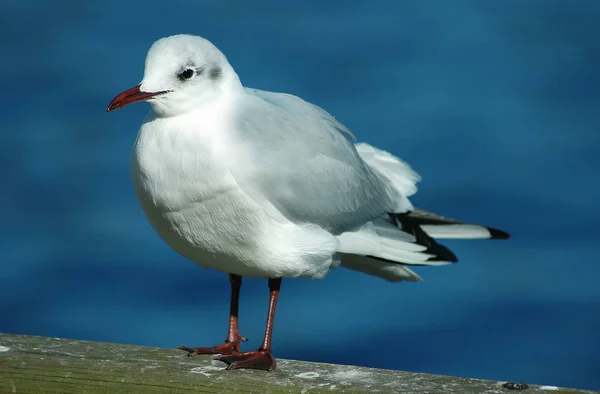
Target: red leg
<point>232,343</point>
<point>261,358</point>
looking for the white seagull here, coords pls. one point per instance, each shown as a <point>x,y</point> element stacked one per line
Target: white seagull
<point>267,185</point>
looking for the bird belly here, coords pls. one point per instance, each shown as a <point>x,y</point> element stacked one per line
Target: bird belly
<point>205,220</point>
<point>210,234</point>
<point>230,235</point>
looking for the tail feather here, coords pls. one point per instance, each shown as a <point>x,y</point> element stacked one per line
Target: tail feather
<point>381,269</point>
<point>437,226</point>
<point>381,239</point>
<point>385,246</point>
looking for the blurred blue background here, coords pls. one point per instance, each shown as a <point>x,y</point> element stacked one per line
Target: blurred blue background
<point>495,104</point>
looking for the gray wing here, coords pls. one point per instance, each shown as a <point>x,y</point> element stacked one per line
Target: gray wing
<point>296,157</point>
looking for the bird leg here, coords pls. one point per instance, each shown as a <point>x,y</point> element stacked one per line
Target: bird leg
<point>262,357</point>
<point>232,343</point>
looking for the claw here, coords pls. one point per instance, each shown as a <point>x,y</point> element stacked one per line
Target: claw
<point>257,359</point>
<point>225,348</point>
<point>187,349</point>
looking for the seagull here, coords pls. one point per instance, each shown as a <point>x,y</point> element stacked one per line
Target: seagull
<point>266,185</point>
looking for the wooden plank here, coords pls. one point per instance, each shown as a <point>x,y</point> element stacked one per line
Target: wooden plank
<point>37,365</point>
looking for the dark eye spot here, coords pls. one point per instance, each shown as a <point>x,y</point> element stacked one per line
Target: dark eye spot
<point>215,73</point>
<point>186,74</point>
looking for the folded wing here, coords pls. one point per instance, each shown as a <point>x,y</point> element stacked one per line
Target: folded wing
<point>305,167</point>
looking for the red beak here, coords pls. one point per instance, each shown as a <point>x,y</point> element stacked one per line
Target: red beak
<point>132,95</point>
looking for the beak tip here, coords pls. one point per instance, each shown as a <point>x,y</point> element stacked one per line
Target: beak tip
<point>113,105</point>
<point>131,96</point>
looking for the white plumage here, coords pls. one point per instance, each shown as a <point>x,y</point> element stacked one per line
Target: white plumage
<point>263,184</point>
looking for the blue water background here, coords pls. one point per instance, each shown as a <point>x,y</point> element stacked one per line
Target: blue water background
<point>495,103</point>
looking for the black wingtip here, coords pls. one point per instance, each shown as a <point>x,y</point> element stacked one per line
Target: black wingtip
<point>441,253</point>
<point>497,234</point>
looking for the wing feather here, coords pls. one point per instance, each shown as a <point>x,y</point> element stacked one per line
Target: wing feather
<point>296,157</point>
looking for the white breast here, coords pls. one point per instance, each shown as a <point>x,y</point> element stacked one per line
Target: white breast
<point>188,194</point>
<point>181,177</point>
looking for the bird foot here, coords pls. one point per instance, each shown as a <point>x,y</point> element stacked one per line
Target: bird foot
<point>225,348</point>
<point>257,359</point>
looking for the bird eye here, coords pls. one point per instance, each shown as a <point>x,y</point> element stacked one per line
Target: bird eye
<point>186,74</point>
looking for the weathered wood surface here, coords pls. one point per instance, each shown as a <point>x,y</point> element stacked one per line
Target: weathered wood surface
<point>50,365</point>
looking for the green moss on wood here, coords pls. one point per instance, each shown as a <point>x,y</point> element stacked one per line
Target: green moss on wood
<point>48,365</point>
